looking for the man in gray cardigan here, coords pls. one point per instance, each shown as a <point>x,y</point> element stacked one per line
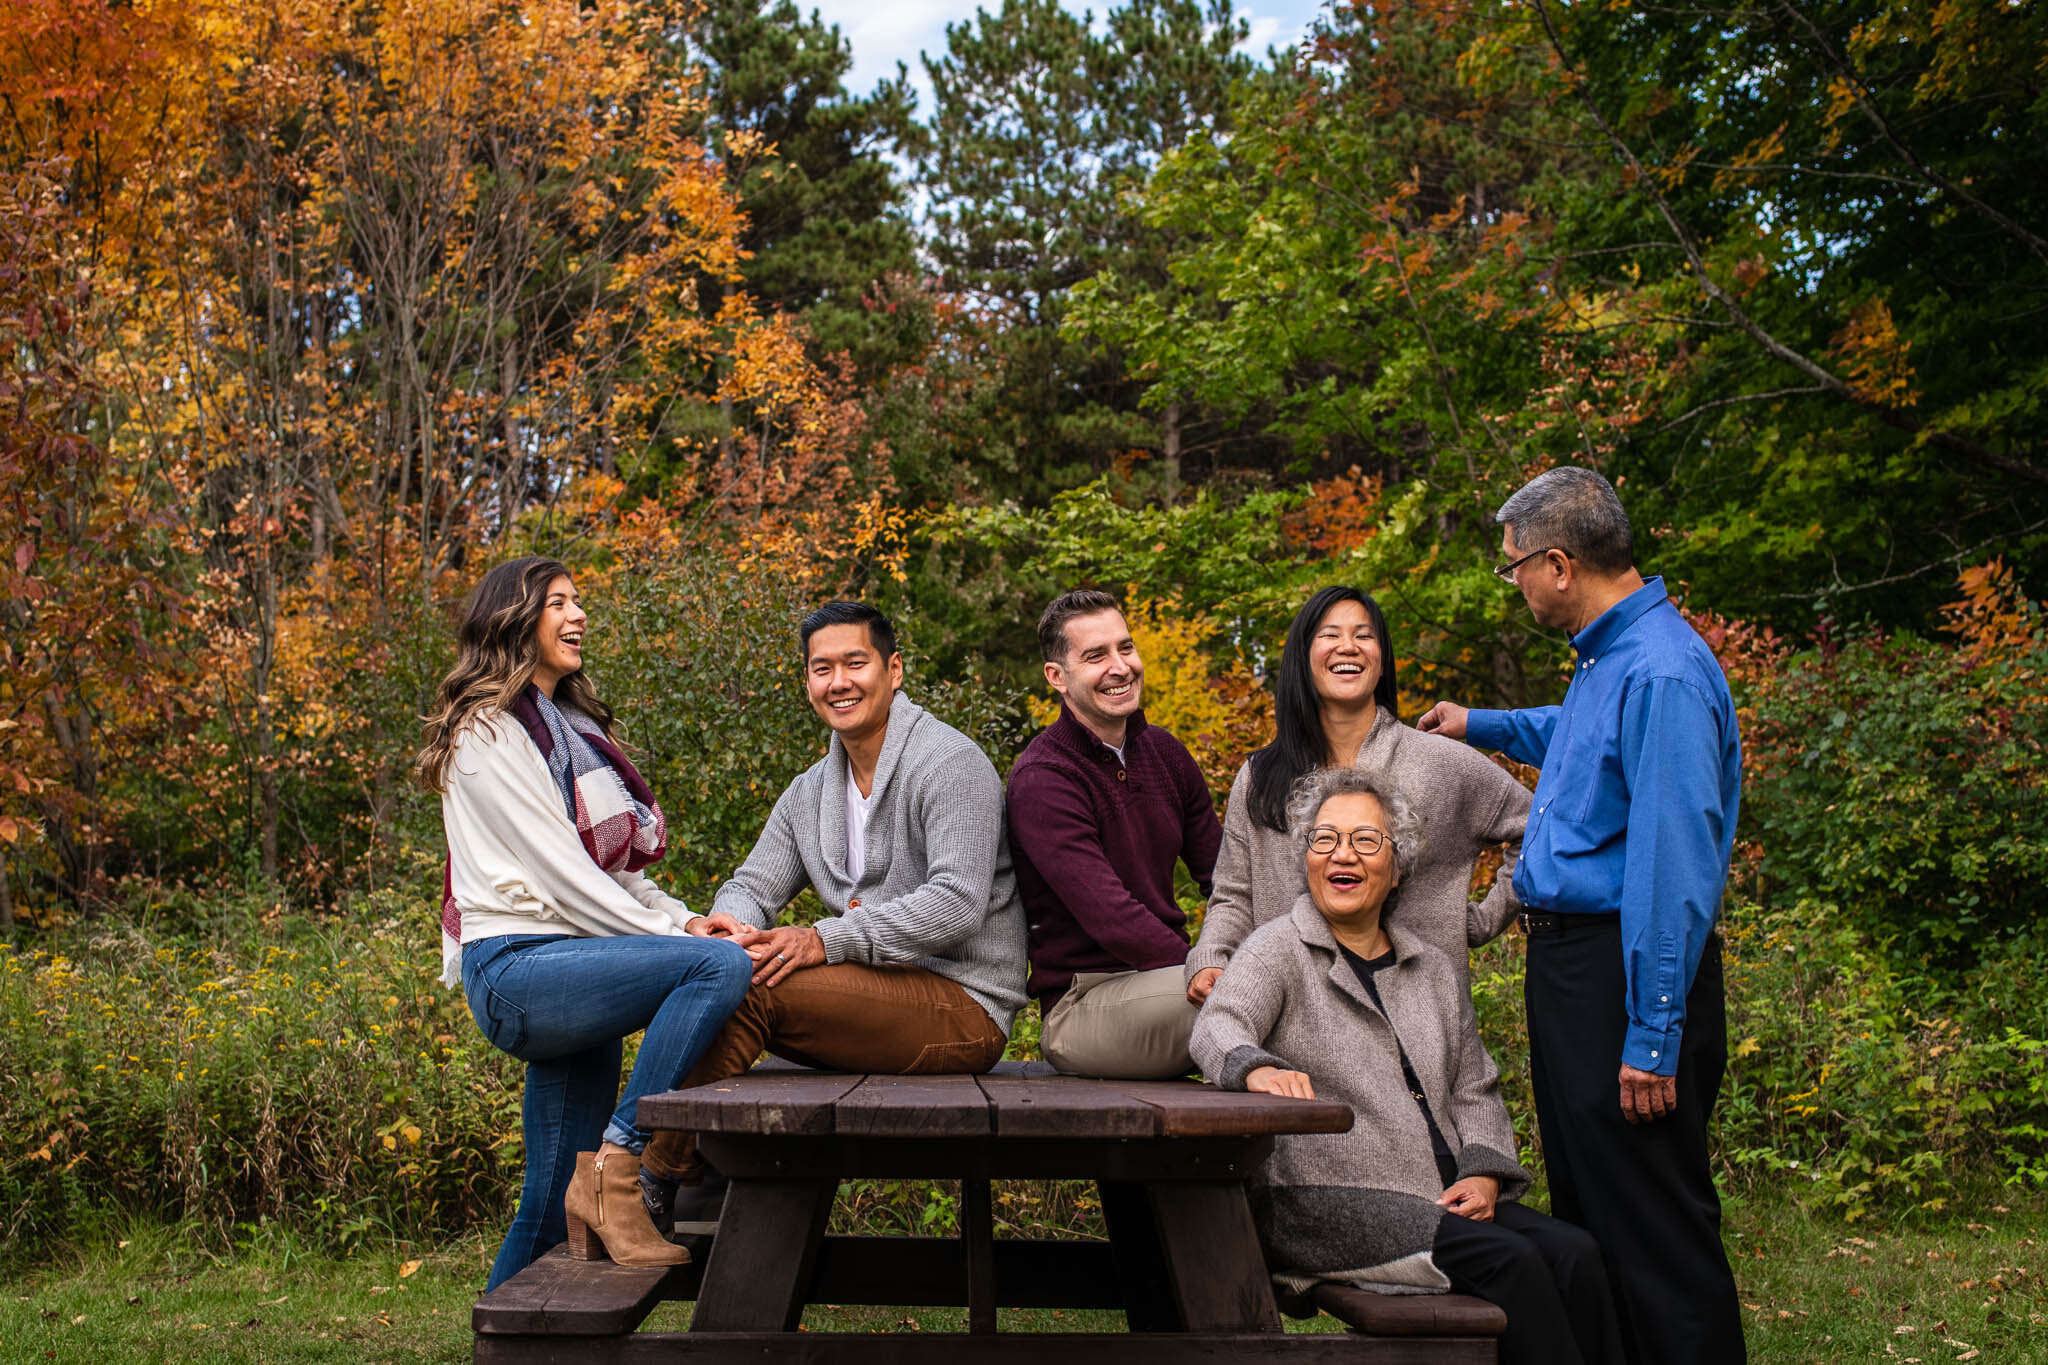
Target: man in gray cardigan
<point>918,964</point>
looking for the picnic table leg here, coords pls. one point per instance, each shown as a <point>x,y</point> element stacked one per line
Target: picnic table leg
<point>1214,1267</point>
<point>1140,1263</point>
<point>760,1271</point>
<point>978,1236</point>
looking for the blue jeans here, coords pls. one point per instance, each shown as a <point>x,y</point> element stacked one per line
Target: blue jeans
<point>563,1006</point>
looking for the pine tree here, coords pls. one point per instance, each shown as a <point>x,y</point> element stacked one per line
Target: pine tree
<point>1041,125</point>
<point>813,170</point>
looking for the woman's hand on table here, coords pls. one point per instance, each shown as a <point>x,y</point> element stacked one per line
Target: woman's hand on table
<point>1202,983</point>
<point>778,952</point>
<point>1271,1080</point>
<point>1473,1197</point>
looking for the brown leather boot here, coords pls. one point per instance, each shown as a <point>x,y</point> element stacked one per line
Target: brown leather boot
<point>606,1217</point>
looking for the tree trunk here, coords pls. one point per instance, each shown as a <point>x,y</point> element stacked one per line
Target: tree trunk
<point>1508,679</point>
<point>1170,451</point>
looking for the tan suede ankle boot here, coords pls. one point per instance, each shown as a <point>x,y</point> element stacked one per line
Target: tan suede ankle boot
<point>606,1217</point>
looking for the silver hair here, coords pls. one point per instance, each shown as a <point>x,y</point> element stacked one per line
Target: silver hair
<point>1315,790</point>
<point>1574,509</point>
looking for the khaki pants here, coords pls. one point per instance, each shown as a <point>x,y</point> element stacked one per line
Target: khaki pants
<point>1129,1026</point>
<point>900,1020</point>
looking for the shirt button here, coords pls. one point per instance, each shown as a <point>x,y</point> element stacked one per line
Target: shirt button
<point>1663,999</point>
<point>1653,1056</point>
<point>1121,775</point>
<point>853,904</point>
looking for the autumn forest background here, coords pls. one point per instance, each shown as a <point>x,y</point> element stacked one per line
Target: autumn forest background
<point>311,310</point>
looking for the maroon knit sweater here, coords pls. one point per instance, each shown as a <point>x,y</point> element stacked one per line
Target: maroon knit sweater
<point>1094,843</point>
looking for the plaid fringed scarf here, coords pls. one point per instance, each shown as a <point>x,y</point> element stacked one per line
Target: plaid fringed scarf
<point>614,811</point>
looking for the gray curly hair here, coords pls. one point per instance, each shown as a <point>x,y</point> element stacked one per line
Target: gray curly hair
<point>1316,790</point>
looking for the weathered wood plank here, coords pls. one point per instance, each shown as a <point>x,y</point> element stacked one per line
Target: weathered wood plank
<point>1029,1272</point>
<point>1019,1348</point>
<point>1214,1266</point>
<point>556,1295</point>
<point>913,1107</point>
<point>777,1102</point>
<point>761,1260</point>
<point>1411,1315</point>
<point>977,1240</point>
<point>1040,1107</point>
<point>1196,1109</point>
<point>984,1157</point>
<point>1140,1263</point>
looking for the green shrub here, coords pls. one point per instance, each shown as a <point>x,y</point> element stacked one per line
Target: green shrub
<point>292,1071</point>
<point>1874,1085</point>
<point>1901,784</point>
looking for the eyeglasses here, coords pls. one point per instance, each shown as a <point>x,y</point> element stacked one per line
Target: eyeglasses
<point>1506,572</point>
<point>1365,840</point>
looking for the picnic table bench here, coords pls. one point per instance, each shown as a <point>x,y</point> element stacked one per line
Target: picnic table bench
<point>1170,1158</point>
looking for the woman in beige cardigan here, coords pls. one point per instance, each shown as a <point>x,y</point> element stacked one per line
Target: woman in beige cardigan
<point>1337,999</point>
<point>1334,707</point>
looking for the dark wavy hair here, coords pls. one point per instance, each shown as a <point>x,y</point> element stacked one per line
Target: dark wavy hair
<point>1299,745</point>
<point>495,654</point>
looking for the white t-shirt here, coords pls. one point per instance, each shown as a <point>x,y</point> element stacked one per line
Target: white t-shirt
<point>856,829</point>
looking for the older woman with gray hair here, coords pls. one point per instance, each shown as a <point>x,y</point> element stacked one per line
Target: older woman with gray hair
<point>1339,999</point>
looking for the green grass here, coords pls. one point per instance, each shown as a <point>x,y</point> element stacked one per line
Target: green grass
<point>1970,1286</point>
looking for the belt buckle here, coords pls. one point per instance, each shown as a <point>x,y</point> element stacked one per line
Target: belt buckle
<point>1524,918</point>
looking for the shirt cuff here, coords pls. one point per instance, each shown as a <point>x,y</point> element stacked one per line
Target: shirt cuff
<point>832,933</point>
<point>1651,1050</point>
<point>1486,729</point>
<point>1241,1061</point>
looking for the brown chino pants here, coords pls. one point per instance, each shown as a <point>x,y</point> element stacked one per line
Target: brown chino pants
<point>900,1020</point>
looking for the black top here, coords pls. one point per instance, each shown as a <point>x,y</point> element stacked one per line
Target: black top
<point>1363,969</point>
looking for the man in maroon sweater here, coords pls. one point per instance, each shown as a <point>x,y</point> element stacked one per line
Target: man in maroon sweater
<point>1100,805</point>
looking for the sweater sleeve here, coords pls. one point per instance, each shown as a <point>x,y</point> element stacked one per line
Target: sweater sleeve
<point>1201,836</point>
<point>1231,1032</point>
<point>1054,826</point>
<point>1486,1136</point>
<point>1228,920</point>
<point>773,872</point>
<point>640,888</point>
<point>499,793</point>
<point>958,800</point>
<point>1488,917</point>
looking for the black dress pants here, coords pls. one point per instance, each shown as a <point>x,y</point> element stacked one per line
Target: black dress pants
<point>1546,1273</point>
<point>1645,1191</point>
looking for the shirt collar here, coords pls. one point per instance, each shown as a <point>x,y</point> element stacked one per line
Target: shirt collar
<point>1607,627</point>
<point>1081,739</point>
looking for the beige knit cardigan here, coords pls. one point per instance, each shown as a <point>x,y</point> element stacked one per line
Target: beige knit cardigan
<point>1359,1207</point>
<point>1465,804</point>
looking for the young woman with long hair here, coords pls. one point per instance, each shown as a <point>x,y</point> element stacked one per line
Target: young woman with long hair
<point>559,940</point>
<point>1334,705</point>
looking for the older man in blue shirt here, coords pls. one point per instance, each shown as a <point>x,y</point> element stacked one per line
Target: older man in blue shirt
<point>1621,874</point>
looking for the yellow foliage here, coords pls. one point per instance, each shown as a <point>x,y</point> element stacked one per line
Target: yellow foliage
<point>1874,355</point>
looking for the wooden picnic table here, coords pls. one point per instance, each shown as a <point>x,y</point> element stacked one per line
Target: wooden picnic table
<point>1170,1159</point>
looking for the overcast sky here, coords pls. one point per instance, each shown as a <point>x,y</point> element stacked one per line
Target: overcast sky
<point>884,32</point>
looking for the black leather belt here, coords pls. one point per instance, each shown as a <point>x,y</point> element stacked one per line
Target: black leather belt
<point>1547,922</point>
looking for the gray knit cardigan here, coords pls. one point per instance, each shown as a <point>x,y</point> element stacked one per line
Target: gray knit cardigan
<point>937,891</point>
<point>1359,1206</point>
<point>1464,802</point>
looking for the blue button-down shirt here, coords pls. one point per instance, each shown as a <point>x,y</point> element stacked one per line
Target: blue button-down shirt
<point>1635,811</point>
